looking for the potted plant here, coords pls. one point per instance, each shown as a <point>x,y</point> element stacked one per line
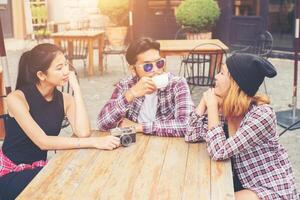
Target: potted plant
<point>117,12</point>
<point>200,15</point>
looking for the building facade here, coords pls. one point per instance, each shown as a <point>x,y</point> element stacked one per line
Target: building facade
<point>17,20</point>
<point>240,21</point>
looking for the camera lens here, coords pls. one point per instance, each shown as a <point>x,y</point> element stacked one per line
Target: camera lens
<point>126,140</point>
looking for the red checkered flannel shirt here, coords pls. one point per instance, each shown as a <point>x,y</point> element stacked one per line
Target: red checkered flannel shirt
<point>173,108</point>
<point>260,162</point>
<point>7,166</point>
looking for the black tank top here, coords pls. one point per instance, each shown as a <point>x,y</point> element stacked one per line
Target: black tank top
<point>49,115</point>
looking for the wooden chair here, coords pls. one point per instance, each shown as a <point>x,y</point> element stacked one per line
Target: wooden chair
<point>2,109</point>
<point>200,68</point>
<point>3,118</point>
<point>75,50</point>
<point>262,46</point>
<point>67,89</point>
<point>114,50</point>
<point>183,34</point>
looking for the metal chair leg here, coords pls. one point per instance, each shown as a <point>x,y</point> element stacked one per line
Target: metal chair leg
<point>84,67</point>
<point>105,62</point>
<point>181,64</point>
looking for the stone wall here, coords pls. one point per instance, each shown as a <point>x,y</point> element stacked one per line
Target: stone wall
<point>75,11</point>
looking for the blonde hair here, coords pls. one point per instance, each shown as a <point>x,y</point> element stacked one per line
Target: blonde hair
<point>237,102</point>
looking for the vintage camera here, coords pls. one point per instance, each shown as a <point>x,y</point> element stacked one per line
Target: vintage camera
<point>126,135</point>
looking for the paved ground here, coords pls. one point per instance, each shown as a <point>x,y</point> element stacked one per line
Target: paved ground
<point>97,89</point>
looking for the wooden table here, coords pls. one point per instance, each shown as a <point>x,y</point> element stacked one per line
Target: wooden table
<point>153,168</point>
<point>183,47</point>
<point>214,47</point>
<point>90,36</point>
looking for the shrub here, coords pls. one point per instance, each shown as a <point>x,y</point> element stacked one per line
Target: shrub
<point>116,10</point>
<point>198,14</point>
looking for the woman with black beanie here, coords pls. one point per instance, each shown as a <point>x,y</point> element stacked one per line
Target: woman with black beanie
<point>239,124</point>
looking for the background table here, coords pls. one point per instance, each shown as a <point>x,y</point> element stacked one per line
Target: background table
<point>153,168</point>
<point>90,36</point>
<point>212,47</point>
<point>183,47</point>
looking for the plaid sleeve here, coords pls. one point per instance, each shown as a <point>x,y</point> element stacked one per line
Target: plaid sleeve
<point>257,128</point>
<point>183,107</point>
<point>114,110</point>
<point>197,128</point>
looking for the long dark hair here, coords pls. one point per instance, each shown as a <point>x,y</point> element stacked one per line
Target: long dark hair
<point>37,59</point>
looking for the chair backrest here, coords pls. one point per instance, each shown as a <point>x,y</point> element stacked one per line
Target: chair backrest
<point>111,49</point>
<point>183,33</point>
<point>201,67</point>
<point>3,118</point>
<point>76,49</point>
<point>262,45</point>
<point>67,89</point>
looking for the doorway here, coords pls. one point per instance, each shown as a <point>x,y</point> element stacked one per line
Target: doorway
<point>249,18</point>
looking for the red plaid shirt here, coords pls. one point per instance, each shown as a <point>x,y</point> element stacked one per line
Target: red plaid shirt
<point>7,166</point>
<point>173,108</point>
<point>260,162</point>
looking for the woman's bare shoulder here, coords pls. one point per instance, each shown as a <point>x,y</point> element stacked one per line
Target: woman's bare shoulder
<point>16,95</point>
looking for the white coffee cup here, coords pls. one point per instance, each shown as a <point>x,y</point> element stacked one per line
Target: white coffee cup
<point>161,80</point>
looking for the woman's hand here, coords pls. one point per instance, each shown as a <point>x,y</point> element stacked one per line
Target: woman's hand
<point>108,142</point>
<point>144,86</point>
<point>210,98</point>
<point>201,108</point>
<point>73,80</point>
<point>212,104</point>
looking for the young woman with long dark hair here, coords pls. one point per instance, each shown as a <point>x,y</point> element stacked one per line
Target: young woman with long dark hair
<point>36,110</point>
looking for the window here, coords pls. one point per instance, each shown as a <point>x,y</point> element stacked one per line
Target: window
<point>281,22</point>
<point>246,7</point>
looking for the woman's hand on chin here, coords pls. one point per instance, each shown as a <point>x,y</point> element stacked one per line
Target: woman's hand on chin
<point>73,80</point>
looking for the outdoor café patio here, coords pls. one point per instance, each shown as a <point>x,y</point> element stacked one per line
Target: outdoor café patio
<point>153,167</point>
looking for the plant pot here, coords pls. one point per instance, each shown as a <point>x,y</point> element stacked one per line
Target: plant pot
<point>198,36</point>
<point>116,35</point>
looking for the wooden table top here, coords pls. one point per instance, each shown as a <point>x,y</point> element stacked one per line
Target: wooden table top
<point>152,168</point>
<point>188,45</point>
<point>78,33</point>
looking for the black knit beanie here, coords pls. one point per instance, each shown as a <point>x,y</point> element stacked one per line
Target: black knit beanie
<point>249,71</point>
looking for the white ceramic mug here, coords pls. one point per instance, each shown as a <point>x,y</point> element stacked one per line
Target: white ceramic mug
<point>161,80</point>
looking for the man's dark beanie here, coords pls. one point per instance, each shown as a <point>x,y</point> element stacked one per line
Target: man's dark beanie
<point>249,71</point>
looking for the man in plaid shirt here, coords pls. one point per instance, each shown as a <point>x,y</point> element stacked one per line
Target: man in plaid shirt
<point>261,167</point>
<point>136,101</point>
